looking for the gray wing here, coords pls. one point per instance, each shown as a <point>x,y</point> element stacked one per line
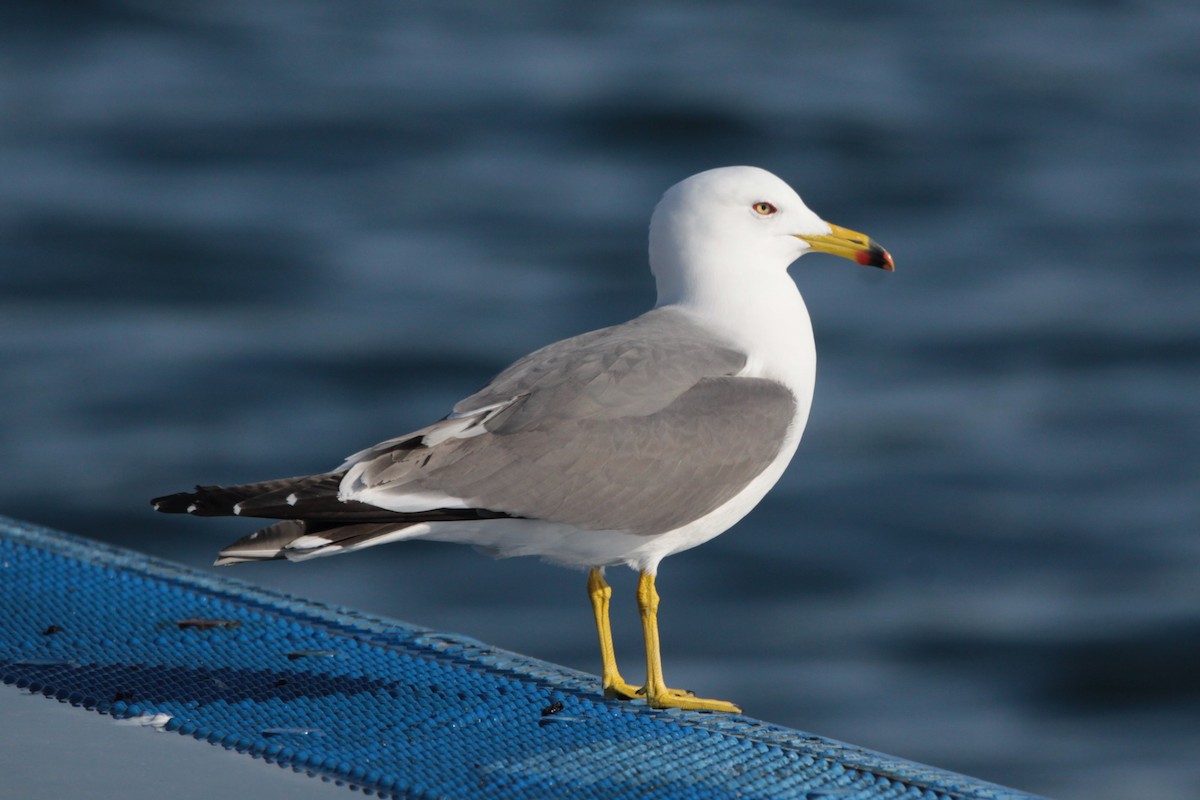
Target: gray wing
<point>631,369</point>
<point>642,427</point>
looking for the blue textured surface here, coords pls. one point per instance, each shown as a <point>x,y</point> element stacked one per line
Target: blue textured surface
<point>389,708</point>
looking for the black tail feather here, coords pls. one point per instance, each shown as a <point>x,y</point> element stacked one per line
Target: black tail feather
<point>275,541</point>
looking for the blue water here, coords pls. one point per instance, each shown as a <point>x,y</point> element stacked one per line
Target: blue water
<point>241,240</point>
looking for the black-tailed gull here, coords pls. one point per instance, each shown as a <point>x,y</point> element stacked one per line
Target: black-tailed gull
<point>620,446</point>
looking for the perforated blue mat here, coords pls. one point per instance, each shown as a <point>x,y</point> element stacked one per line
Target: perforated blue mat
<point>382,706</point>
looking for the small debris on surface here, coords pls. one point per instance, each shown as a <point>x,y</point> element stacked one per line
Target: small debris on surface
<point>206,624</point>
<point>298,654</point>
<point>291,732</point>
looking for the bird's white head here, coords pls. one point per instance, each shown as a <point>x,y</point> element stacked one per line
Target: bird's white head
<point>725,227</point>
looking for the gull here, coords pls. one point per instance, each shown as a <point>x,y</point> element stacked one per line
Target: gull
<point>620,446</point>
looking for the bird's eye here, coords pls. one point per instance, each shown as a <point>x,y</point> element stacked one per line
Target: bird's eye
<point>764,209</point>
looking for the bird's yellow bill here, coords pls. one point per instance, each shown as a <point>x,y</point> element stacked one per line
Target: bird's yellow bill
<point>852,245</point>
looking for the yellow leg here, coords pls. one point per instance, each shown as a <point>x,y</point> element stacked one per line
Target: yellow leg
<point>601,593</point>
<point>656,691</point>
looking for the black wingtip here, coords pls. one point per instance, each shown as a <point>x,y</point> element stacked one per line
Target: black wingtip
<point>177,503</point>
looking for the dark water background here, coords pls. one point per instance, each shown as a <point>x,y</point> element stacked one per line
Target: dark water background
<point>241,239</point>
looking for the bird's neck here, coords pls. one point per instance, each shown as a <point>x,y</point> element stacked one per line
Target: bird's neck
<point>765,316</point>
